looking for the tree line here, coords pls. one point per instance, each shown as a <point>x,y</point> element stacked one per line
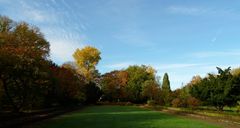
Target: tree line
<point>30,80</point>
<point>216,90</point>
<point>136,84</point>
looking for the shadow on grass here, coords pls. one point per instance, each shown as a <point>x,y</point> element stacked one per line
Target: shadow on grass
<point>119,117</point>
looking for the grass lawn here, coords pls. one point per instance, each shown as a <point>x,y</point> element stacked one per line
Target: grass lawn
<point>120,117</point>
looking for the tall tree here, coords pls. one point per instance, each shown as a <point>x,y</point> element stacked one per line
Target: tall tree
<point>23,54</point>
<point>86,59</point>
<point>166,83</point>
<point>166,90</point>
<point>137,76</point>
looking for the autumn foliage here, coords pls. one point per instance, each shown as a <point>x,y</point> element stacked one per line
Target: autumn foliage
<point>29,80</point>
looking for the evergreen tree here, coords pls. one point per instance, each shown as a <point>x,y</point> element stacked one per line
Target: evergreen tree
<point>166,83</point>
<point>166,90</point>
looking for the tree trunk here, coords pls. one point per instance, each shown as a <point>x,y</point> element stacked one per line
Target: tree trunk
<point>15,108</point>
<point>220,108</point>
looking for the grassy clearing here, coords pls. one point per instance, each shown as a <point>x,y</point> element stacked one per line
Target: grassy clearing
<point>227,113</point>
<point>120,117</point>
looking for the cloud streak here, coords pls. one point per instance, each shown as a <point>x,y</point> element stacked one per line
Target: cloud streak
<point>187,10</point>
<point>32,12</point>
<point>218,33</point>
<point>196,11</point>
<point>56,20</point>
<point>122,65</point>
<point>176,66</point>
<point>209,54</point>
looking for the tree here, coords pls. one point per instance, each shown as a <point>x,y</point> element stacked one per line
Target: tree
<point>137,76</point>
<point>238,106</point>
<point>86,59</point>
<point>151,90</point>
<point>70,65</point>
<point>70,86</point>
<point>110,86</point>
<point>113,84</point>
<point>235,72</point>
<point>177,102</point>
<point>23,62</point>
<point>235,89</point>
<point>166,90</point>
<point>192,102</point>
<point>123,77</point>
<point>93,93</point>
<point>195,80</point>
<point>217,90</point>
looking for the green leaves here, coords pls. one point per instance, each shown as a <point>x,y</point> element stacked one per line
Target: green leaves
<point>217,90</point>
<point>166,90</point>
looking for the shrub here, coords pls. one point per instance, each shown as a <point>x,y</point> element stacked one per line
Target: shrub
<point>192,102</point>
<point>151,102</point>
<point>238,106</point>
<point>176,102</point>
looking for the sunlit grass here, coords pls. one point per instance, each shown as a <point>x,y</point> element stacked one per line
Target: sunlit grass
<point>120,117</point>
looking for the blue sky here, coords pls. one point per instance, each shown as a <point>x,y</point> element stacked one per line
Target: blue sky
<point>183,38</point>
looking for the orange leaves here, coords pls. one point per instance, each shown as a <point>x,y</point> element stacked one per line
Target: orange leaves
<point>22,40</point>
<point>113,84</point>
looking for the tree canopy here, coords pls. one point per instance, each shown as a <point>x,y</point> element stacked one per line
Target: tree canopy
<point>86,59</point>
<point>23,54</point>
<point>217,90</point>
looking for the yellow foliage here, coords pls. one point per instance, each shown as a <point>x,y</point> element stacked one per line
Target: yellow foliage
<point>86,59</point>
<point>236,72</point>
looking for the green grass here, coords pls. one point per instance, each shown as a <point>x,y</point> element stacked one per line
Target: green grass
<point>120,117</point>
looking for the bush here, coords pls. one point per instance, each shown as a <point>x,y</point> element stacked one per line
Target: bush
<point>192,102</point>
<point>151,102</point>
<point>238,106</point>
<point>176,102</point>
<point>115,103</point>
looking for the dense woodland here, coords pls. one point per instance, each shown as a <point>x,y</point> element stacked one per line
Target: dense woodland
<point>29,80</point>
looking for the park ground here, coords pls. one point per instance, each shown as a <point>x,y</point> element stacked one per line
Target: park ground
<point>107,116</point>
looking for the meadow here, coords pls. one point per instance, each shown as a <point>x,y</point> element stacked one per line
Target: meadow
<point>120,117</point>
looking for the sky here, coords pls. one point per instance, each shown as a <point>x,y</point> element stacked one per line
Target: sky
<point>181,37</point>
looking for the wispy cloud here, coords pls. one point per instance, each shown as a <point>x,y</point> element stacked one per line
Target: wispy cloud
<point>196,11</point>
<point>218,33</point>
<point>63,42</point>
<point>187,10</point>
<point>120,65</point>
<point>64,33</point>
<point>62,50</point>
<point>35,14</point>
<point>208,54</point>
<point>157,66</point>
<point>176,66</point>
